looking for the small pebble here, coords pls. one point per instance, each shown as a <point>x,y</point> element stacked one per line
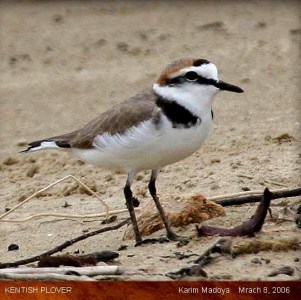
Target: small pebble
<point>246,189</point>
<point>109,177</point>
<point>13,60</point>
<point>58,18</point>
<point>217,25</point>
<point>267,260</point>
<point>182,243</point>
<point>139,177</point>
<point>215,186</point>
<point>122,247</point>
<point>66,204</point>
<point>109,220</point>
<point>261,25</point>
<point>245,80</point>
<point>287,270</point>
<point>215,160</point>
<point>124,47</point>
<point>101,42</point>
<point>295,31</point>
<point>13,247</point>
<point>22,198</point>
<point>256,260</point>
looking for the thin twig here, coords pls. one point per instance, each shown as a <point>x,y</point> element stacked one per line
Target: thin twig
<point>50,186</point>
<point>222,246</point>
<point>89,216</point>
<point>268,181</point>
<point>46,277</point>
<point>88,271</point>
<point>256,198</point>
<point>240,194</point>
<point>64,245</point>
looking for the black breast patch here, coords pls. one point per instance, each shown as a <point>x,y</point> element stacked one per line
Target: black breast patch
<point>177,114</point>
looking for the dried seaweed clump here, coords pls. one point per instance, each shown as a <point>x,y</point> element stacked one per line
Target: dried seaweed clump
<point>180,211</point>
<point>274,245</point>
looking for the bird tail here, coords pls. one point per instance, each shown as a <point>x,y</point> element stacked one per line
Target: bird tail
<point>45,144</point>
<point>56,142</point>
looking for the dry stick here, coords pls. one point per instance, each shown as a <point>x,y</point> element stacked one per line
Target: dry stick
<point>222,246</point>
<point>257,198</point>
<point>46,277</point>
<point>240,194</point>
<point>274,182</point>
<point>63,246</point>
<point>50,186</point>
<point>88,271</point>
<point>71,216</point>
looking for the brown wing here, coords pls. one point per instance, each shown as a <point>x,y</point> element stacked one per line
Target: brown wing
<point>117,119</point>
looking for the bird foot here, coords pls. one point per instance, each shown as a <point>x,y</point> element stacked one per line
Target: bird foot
<point>174,237</point>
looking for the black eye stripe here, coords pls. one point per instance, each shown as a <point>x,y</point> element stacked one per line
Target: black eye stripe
<point>203,80</point>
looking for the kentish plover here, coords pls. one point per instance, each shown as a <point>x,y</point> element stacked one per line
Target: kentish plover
<point>156,127</point>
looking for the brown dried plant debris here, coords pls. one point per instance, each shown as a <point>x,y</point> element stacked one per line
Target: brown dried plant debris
<point>257,245</point>
<point>180,210</point>
<point>77,261</point>
<point>280,139</point>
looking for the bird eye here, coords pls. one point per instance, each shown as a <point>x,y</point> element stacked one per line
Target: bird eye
<point>191,76</point>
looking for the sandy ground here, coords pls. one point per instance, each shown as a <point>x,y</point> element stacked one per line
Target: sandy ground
<point>64,62</point>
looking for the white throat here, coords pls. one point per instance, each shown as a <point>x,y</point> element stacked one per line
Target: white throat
<point>196,98</point>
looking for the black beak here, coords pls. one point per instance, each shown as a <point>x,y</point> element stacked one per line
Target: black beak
<point>222,85</point>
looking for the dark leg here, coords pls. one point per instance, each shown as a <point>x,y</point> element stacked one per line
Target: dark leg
<point>152,189</point>
<point>129,203</point>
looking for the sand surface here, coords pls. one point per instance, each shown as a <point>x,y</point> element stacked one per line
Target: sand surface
<point>64,62</point>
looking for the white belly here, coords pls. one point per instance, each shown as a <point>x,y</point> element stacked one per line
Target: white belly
<point>145,147</point>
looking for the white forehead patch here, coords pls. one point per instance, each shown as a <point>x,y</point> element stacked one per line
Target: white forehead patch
<point>205,70</point>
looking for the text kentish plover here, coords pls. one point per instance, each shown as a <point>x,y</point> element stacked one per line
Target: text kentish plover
<point>156,127</point>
